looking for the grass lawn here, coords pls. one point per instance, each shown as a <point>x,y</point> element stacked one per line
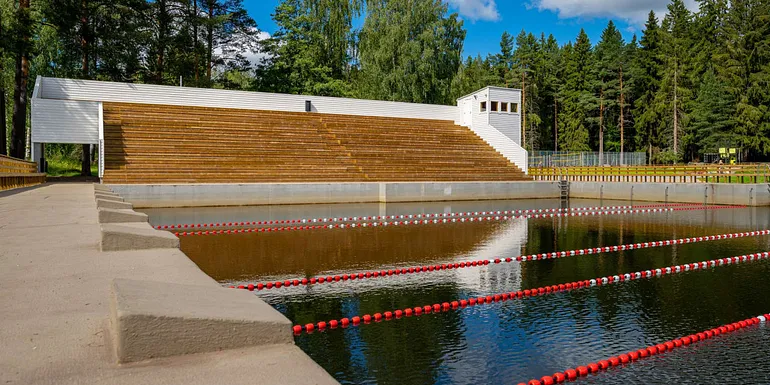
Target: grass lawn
<point>67,167</point>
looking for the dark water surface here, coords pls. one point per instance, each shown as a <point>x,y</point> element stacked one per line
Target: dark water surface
<point>512,341</point>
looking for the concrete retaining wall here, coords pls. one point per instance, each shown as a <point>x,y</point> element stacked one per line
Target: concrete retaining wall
<point>197,195</point>
<point>710,193</point>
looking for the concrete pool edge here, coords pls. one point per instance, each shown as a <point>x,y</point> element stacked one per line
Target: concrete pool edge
<point>246,194</point>
<point>703,193</point>
<point>57,283</point>
<point>151,319</point>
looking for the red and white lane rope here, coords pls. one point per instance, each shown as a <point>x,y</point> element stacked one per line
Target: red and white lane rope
<point>545,290</point>
<point>353,277</point>
<point>411,216</point>
<point>447,220</point>
<point>636,355</point>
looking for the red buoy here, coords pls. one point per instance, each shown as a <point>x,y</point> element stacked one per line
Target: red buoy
<point>593,367</point>
<point>614,361</point>
<point>624,358</point>
<point>309,327</point>
<point>388,315</point>
<point>297,329</point>
<point>408,312</point>
<point>546,380</point>
<point>356,320</point>
<point>321,325</point>
<point>582,371</point>
<point>604,364</point>
<point>571,374</point>
<point>377,316</point>
<point>333,323</point>
<point>398,313</point>
<point>367,318</point>
<point>559,377</point>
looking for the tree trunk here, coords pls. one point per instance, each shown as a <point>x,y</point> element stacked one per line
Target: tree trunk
<point>555,126</point>
<point>85,159</point>
<point>3,125</point>
<point>195,42</point>
<point>601,127</point>
<point>676,123</point>
<point>621,116</point>
<point>523,111</point>
<point>210,40</point>
<point>162,32</point>
<point>19,130</point>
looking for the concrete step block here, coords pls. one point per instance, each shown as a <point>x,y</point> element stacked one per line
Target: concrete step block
<point>101,187</point>
<point>121,216</point>
<point>106,193</point>
<point>114,198</point>
<point>157,319</point>
<point>135,236</point>
<point>110,204</point>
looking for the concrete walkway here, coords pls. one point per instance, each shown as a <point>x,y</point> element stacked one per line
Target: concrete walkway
<point>54,307</point>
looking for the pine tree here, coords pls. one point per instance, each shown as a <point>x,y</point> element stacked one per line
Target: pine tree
<point>548,82</point>
<point>576,95</point>
<point>503,62</point>
<point>647,72</point>
<point>23,27</point>
<point>711,119</point>
<point>675,91</point>
<point>229,31</point>
<point>609,63</point>
<point>525,61</point>
<point>746,66</point>
<point>3,124</point>
<point>474,75</point>
<point>627,87</point>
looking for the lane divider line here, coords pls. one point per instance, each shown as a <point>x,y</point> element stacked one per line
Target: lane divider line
<point>540,291</point>
<point>411,216</point>
<point>445,220</point>
<point>357,277</point>
<point>628,358</point>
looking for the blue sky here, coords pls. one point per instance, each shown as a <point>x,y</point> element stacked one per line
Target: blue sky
<point>485,20</point>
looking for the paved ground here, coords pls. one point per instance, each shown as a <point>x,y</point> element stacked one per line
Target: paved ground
<point>54,285</point>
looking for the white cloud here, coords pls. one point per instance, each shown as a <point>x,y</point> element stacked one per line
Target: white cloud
<point>476,9</point>
<point>631,11</point>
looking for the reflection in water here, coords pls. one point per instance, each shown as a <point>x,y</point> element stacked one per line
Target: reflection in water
<point>517,340</point>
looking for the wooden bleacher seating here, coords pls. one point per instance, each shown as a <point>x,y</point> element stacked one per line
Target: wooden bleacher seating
<point>172,144</point>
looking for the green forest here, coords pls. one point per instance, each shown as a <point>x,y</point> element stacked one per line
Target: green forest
<point>689,83</point>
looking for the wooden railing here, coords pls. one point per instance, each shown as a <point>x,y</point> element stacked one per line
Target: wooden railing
<point>15,173</point>
<point>748,173</point>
